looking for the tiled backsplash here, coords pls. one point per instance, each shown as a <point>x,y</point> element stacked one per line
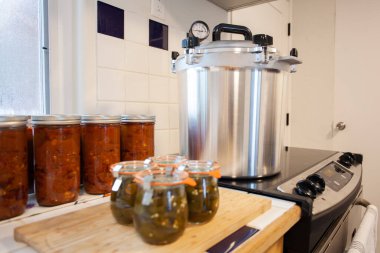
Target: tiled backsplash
<point>133,78</point>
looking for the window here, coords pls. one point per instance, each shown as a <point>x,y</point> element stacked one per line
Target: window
<point>23,60</point>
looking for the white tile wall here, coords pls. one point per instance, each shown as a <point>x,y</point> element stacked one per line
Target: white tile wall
<point>162,115</point>
<point>173,116</point>
<point>159,89</point>
<point>136,55</point>
<point>133,78</point>
<point>110,52</point>
<point>174,141</point>
<point>136,108</point>
<point>175,39</point>
<point>137,87</point>
<point>111,84</point>
<point>137,28</point>
<point>159,61</point>
<point>162,142</point>
<point>173,90</point>
<point>112,108</point>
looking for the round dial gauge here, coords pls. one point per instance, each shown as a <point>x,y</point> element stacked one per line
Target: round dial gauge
<point>200,30</point>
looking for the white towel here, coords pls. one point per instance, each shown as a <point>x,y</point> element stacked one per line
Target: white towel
<point>365,238</point>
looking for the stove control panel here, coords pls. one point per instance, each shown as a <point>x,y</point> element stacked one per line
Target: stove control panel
<point>335,175</point>
<point>328,182</point>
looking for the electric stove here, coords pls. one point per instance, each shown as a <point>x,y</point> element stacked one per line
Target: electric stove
<point>325,184</point>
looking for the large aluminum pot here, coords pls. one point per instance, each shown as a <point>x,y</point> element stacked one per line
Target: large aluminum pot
<point>231,99</point>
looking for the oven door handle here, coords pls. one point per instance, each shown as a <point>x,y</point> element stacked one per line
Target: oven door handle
<point>362,202</point>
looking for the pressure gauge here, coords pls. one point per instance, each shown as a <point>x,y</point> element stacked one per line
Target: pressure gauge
<point>200,30</point>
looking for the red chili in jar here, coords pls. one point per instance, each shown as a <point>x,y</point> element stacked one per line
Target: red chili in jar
<point>56,141</point>
<point>100,149</point>
<point>137,137</point>
<point>29,129</point>
<point>13,166</point>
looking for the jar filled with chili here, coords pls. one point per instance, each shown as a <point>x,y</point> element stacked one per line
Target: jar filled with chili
<point>13,166</point>
<point>161,212</point>
<point>30,155</point>
<point>100,147</point>
<point>137,137</point>
<point>203,198</point>
<point>56,143</point>
<point>124,189</point>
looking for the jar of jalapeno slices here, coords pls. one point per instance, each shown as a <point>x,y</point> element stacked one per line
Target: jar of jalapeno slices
<point>167,160</point>
<point>124,189</point>
<point>203,198</point>
<point>161,211</point>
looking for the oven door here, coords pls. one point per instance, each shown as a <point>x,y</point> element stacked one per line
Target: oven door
<point>340,233</point>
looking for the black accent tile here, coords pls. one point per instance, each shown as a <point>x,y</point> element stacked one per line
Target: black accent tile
<point>110,20</point>
<point>158,35</point>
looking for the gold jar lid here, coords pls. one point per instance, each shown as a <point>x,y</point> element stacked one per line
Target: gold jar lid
<point>97,118</point>
<point>13,120</point>
<point>138,118</point>
<point>55,119</point>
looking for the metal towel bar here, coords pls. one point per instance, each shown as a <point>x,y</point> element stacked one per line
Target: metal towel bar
<point>362,202</point>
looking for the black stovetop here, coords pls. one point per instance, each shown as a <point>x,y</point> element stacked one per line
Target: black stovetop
<point>297,161</point>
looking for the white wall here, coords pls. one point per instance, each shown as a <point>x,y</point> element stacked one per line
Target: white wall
<point>357,87</point>
<point>270,18</point>
<point>61,53</point>
<point>313,34</point>
<point>339,81</point>
<point>95,73</point>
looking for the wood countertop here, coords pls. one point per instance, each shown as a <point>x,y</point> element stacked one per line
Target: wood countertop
<point>270,238</point>
<point>272,221</point>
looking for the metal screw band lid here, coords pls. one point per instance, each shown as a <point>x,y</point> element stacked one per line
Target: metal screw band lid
<point>13,120</point>
<point>56,119</point>
<point>138,118</point>
<point>96,118</point>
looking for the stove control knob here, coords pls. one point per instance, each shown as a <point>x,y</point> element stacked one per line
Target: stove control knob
<point>306,188</point>
<point>318,181</point>
<point>347,159</point>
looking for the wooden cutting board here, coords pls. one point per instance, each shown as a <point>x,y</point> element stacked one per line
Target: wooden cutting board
<point>94,229</point>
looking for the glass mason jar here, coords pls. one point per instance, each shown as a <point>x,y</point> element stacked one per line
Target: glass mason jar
<point>203,198</point>
<point>124,189</point>
<point>56,143</point>
<point>13,166</point>
<point>168,160</point>
<point>100,147</point>
<point>161,212</point>
<point>30,156</point>
<point>137,137</point>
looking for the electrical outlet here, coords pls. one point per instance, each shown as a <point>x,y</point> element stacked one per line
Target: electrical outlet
<point>157,9</point>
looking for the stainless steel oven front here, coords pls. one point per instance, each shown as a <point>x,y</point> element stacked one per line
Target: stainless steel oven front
<point>334,185</point>
<point>338,237</point>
